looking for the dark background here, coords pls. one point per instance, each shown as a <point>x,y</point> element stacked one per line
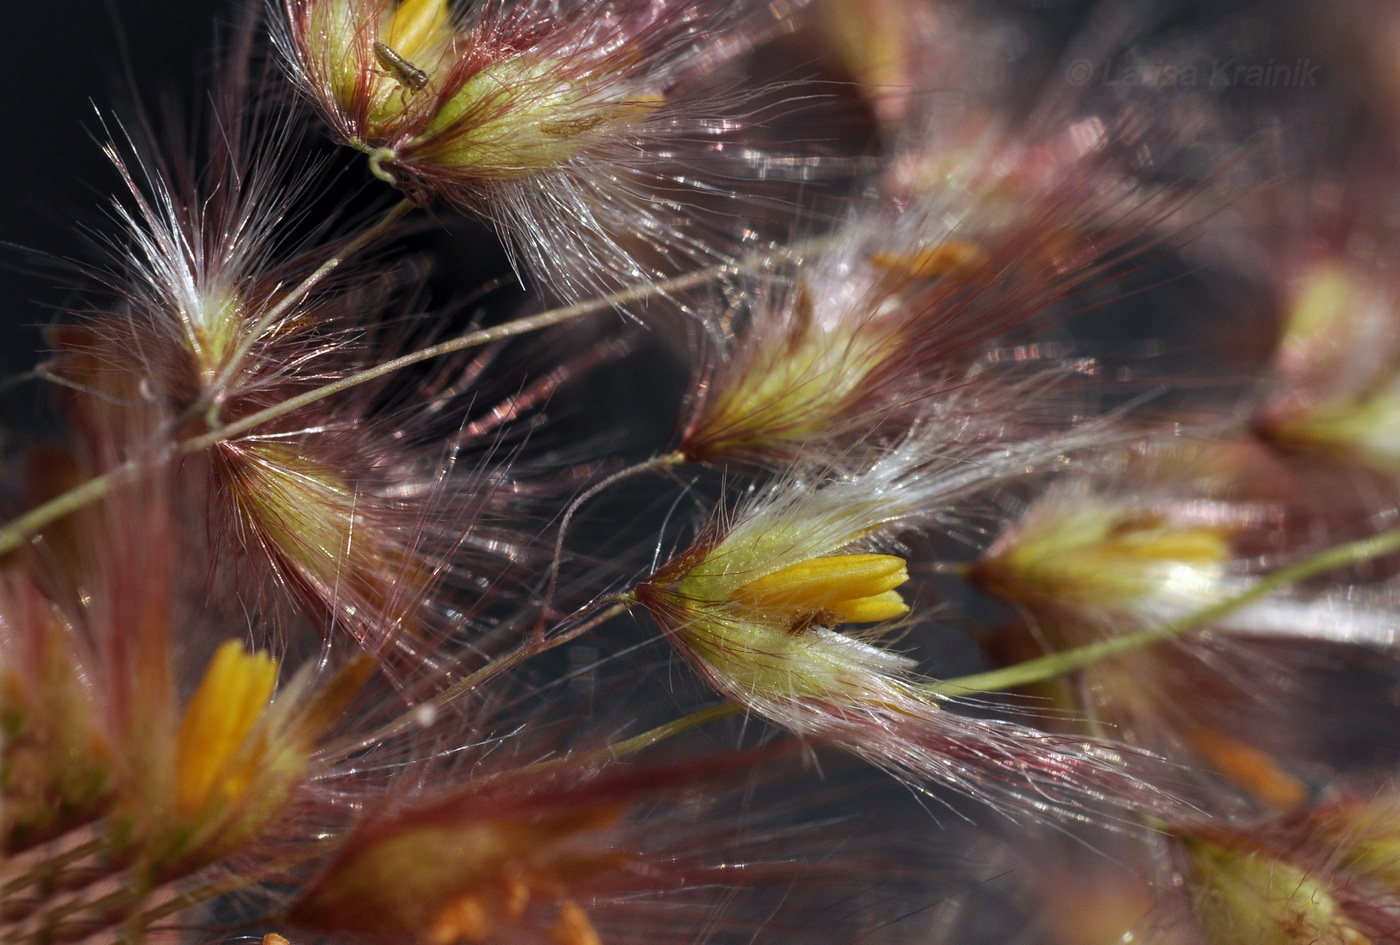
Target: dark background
<point>68,60</point>
<point>64,62</point>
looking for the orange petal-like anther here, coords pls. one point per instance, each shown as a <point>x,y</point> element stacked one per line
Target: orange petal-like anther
<point>851,588</point>
<point>222,714</point>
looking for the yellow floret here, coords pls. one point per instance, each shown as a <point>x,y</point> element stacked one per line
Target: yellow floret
<point>226,707</point>
<point>418,28</point>
<point>840,588</point>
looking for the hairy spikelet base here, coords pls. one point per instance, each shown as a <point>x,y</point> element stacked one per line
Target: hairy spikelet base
<point>568,127</point>
<point>781,656</point>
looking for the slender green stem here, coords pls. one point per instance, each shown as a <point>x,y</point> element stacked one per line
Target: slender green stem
<point>630,746</point>
<point>1057,664</point>
<point>14,532</point>
<point>17,530</point>
<point>474,339</point>
<point>552,585</point>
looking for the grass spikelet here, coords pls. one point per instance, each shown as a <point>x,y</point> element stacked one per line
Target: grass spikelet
<point>755,605</point>
<point>556,123</point>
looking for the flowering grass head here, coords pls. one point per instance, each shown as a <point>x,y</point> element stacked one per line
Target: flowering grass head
<point>539,117</point>
<point>1168,540</point>
<point>1095,558</point>
<point>1338,367</point>
<point>213,239</point>
<point>353,560</point>
<point>757,602</point>
<point>800,374</point>
<point>241,754</point>
<point>787,571</point>
<point>566,852</point>
<point>225,305</point>
<point>494,97</point>
<point>895,317</point>
<point>125,784</point>
<point>1237,889</point>
<point>1167,529</point>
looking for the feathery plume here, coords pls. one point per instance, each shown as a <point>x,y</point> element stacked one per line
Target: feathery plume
<point>351,507</point>
<point>755,602</point>
<point>112,775</point>
<point>898,315</point>
<point>555,122</point>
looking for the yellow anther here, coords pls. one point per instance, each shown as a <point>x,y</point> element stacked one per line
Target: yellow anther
<point>886,606</point>
<point>573,927</point>
<point>222,714</point>
<point>842,588</point>
<point>417,26</point>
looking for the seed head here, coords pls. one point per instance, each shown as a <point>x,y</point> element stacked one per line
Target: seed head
<point>1238,889</point>
<point>1104,555</point>
<point>755,604</point>
<point>1339,370</point>
<point>893,321</point>
<point>559,852</point>
<point>547,119</point>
